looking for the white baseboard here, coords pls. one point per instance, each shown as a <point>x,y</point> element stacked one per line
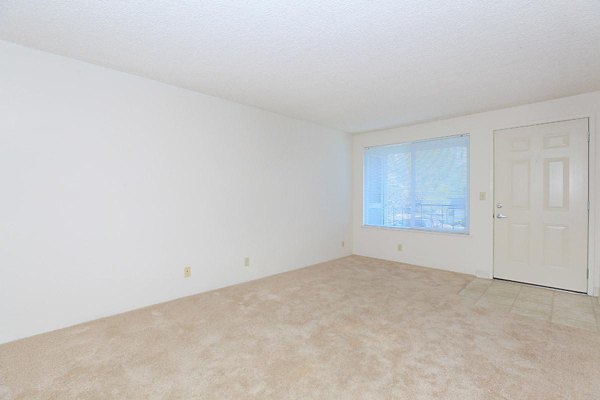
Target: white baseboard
<point>484,274</point>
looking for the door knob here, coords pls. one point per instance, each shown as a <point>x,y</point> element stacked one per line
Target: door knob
<point>500,215</point>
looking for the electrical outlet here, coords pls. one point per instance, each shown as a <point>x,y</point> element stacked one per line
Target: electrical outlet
<point>481,195</point>
<point>187,272</point>
<point>343,244</point>
<point>399,247</point>
<point>246,261</point>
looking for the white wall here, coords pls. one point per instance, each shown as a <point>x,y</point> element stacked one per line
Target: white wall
<point>472,254</point>
<point>111,184</point>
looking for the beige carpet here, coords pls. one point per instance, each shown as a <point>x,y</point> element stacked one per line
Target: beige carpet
<point>354,328</point>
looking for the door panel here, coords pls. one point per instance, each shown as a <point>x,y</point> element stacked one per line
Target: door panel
<point>541,197</point>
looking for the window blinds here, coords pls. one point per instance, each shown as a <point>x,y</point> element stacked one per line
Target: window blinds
<point>418,185</point>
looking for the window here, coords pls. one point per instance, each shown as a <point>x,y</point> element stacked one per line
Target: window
<point>419,185</point>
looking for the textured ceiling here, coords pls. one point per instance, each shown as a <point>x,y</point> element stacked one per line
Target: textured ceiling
<point>351,65</point>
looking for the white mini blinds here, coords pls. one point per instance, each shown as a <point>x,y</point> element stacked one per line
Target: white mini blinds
<point>419,185</point>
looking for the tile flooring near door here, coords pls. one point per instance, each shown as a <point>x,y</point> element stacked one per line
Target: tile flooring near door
<point>551,305</point>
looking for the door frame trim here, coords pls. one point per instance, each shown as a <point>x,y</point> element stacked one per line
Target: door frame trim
<point>592,269</point>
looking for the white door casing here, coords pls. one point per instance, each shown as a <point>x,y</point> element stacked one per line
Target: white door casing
<point>541,186</point>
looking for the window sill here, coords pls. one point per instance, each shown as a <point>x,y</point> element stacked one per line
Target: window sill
<point>416,230</point>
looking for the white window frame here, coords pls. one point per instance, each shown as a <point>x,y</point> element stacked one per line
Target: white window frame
<point>467,229</point>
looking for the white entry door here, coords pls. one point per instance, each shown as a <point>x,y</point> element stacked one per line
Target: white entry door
<point>541,204</point>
